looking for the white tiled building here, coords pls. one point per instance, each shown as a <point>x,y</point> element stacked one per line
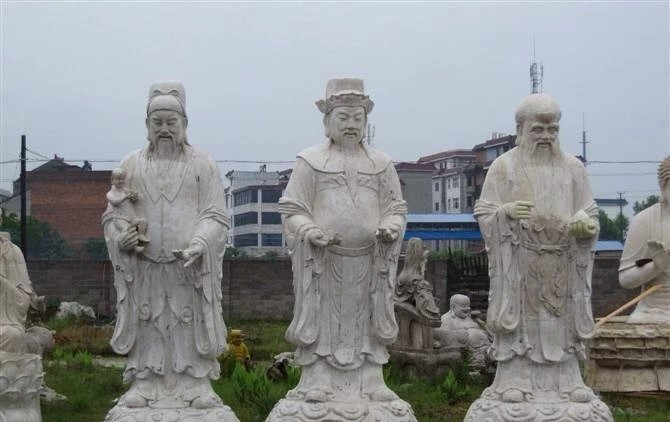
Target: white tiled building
<point>448,184</point>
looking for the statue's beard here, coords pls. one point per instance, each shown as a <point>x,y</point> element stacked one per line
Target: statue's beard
<point>534,153</point>
<point>159,148</point>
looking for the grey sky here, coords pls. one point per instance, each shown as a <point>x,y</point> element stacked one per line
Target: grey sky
<point>443,75</point>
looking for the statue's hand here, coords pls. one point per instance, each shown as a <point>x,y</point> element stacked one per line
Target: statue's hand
<point>321,238</point>
<point>388,233</point>
<point>582,226</point>
<point>660,254</point>
<point>127,239</point>
<point>190,255</point>
<point>518,210</point>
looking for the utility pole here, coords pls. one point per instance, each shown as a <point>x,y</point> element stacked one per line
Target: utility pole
<point>621,213</point>
<point>24,237</point>
<point>584,138</point>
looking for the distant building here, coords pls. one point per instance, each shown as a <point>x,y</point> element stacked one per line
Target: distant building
<point>448,182</point>
<point>67,197</point>
<point>485,153</point>
<point>252,201</point>
<point>445,230</point>
<point>415,183</point>
<point>611,206</point>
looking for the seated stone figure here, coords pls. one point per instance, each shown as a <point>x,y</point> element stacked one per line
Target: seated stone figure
<point>459,329</point>
<point>646,256</point>
<point>411,286</point>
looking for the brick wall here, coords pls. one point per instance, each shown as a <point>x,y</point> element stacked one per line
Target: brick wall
<point>263,289</point>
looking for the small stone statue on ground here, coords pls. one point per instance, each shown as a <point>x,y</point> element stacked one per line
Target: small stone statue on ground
<point>169,316</point>
<point>540,224</point>
<point>238,350</point>
<point>343,216</point>
<point>125,215</point>
<point>459,329</point>
<point>646,256</point>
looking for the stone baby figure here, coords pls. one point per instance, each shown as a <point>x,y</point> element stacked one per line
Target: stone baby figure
<point>125,215</point>
<point>540,225</point>
<point>646,257</point>
<point>343,317</point>
<point>459,329</point>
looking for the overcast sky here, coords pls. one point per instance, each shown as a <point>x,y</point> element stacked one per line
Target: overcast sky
<point>75,77</point>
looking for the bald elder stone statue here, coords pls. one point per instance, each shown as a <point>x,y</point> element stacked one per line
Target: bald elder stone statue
<point>344,218</point>
<point>540,224</point>
<point>646,257</point>
<point>169,316</point>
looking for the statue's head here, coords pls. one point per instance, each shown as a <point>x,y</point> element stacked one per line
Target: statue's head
<point>166,115</point>
<point>345,110</point>
<point>460,306</point>
<point>118,177</point>
<point>537,127</point>
<point>664,180</point>
<point>236,337</point>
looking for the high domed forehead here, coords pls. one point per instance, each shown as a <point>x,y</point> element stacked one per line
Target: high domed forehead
<point>664,171</point>
<point>538,106</point>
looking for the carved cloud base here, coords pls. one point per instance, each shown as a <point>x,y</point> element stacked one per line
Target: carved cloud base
<point>489,410</point>
<point>296,410</point>
<point>20,384</point>
<point>153,414</point>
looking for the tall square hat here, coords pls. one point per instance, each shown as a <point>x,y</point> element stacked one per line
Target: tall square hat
<point>345,92</point>
<point>167,95</point>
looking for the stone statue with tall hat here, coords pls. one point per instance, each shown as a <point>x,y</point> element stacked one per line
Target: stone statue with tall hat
<point>169,316</point>
<point>344,218</point>
<point>20,349</point>
<point>632,353</point>
<point>540,224</point>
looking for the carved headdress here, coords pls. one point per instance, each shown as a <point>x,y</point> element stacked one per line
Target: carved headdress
<point>664,177</point>
<point>167,96</point>
<point>345,92</point>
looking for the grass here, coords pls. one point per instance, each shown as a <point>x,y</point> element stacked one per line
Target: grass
<point>91,389</point>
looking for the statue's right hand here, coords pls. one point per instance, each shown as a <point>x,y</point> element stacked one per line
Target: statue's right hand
<point>660,254</point>
<point>518,210</point>
<point>321,239</point>
<point>127,239</point>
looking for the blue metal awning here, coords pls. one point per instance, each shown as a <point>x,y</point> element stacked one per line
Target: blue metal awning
<point>444,234</point>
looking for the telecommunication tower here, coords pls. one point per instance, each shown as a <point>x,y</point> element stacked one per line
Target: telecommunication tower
<point>536,74</point>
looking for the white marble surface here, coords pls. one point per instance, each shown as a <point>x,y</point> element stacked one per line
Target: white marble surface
<point>169,319</point>
<point>343,216</point>
<point>539,223</point>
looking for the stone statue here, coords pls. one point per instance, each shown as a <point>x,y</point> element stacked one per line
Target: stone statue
<point>20,350</point>
<point>459,329</point>
<point>539,222</point>
<point>646,256</point>
<point>411,287</point>
<point>125,215</point>
<point>169,316</point>
<point>343,215</point>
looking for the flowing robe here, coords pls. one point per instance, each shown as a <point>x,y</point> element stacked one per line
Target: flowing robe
<point>648,225</point>
<point>169,318</point>
<point>343,293</point>
<point>540,293</point>
<point>16,297</point>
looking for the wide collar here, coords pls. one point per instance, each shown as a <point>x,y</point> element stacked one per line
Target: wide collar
<point>170,186</point>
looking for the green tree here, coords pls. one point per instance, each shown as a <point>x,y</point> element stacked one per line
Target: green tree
<point>43,241</point>
<point>612,229</point>
<point>96,248</point>
<point>646,203</point>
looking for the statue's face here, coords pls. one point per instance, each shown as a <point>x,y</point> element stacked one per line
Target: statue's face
<point>166,126</point>
<point>540,134</point>
<point>346,125</point>
<point>462,309</point>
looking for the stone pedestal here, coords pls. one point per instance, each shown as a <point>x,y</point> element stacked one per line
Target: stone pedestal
<point>20,384</point>
<point>629,357</point>
<point>489,410</point>
<point>182,414</point>
<point>299,410</point>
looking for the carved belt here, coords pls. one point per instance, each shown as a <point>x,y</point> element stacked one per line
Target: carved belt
<point>540,248</point>
<point>339,250</point>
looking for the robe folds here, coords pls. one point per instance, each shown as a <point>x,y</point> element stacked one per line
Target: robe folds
<point>540,275</point>
<point>168,314</point>
<point>343,293</point>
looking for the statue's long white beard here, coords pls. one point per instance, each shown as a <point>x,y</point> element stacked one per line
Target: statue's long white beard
<point>533,154</point>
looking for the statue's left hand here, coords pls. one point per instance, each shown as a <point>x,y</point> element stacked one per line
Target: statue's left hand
<point>387,233</point>
<point>582,226</point>
<point>190,255</point>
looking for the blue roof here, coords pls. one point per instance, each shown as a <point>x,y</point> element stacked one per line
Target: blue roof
<point>609,245</point>
<point>441,218</point>
<point>444,234</point>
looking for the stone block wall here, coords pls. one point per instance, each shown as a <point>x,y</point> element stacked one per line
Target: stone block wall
<point>263,288</point>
